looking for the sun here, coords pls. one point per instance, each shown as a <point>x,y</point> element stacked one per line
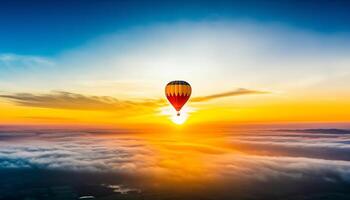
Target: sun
<point>171,112</point>
<point>179,119</point>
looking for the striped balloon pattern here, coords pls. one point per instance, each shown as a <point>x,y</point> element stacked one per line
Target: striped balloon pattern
<point>178,93</point>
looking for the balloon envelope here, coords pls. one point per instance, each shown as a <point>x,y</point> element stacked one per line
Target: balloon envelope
<point>178,92</point>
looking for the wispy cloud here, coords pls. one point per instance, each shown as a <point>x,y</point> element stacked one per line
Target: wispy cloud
<point>23,60</point>
<point>238,92</point>
<point>68,100</point>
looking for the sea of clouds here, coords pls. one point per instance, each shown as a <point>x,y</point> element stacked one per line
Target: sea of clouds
<point>286,158</point>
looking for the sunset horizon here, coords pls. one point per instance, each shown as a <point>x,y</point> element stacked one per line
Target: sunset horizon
<point>174,100</point>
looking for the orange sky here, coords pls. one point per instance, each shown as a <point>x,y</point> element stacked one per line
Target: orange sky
<point>245,109</point>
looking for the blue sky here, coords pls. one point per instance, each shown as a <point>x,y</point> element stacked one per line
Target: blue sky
<point>92,46</point>
<point>48,28</point>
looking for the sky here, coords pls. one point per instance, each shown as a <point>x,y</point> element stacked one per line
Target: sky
<point>82,99</point>
<point>106,63</point>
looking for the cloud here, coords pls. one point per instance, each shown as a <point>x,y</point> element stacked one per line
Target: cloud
<point>158,160</point>
<point>67,100</point>
<point>269,156</point>
<point>319,131</point>
<point>237,92</point>
<point>53,152</point>
<point>16,60</point>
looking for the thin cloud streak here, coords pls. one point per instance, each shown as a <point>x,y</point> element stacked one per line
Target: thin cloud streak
<point>23,60</point>
<point>238,92</point>
<point>67,100</point>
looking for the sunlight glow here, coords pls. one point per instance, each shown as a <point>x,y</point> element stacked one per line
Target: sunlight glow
<point>171,112</point>
<point>179,119</point>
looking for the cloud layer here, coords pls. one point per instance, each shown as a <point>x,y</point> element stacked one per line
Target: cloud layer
<point>227,165</point>
<point>262,156</point>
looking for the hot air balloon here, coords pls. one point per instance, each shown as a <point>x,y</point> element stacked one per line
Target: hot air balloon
<point>178,92</point>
